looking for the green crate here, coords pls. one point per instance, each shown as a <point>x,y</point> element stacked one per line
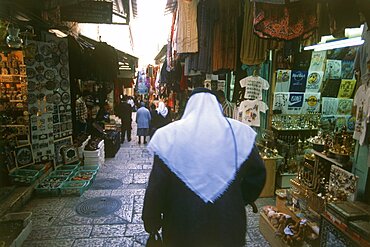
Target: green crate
<point>24,176</point>
<point>90,168</point>
<point>50,186</point>
<point>73,168</point>
<point>63,173</point>
<point>74,188</point>
<point>84,175</point>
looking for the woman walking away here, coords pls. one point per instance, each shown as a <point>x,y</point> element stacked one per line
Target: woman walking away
<point>142,120</point>
<point>206,169</point>
<point>162,117</point>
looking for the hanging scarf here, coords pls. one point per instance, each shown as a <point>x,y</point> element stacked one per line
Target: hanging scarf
<point>162,109</point>
<point>200,147</point>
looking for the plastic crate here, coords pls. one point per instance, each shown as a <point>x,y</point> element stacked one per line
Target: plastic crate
<point>88,167</point>
<point>50,186</point>
<point>24,176</point>
<point>72,168</point>
<point>83,176</point>
<point>63,173</point>
<point>72,188</point>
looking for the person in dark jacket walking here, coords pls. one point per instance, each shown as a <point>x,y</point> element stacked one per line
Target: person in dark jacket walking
<point>206,169</point>
<point>125,113</point>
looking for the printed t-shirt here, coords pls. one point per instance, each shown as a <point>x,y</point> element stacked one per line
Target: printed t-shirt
<point>249,112</point>
<point>254,86</point>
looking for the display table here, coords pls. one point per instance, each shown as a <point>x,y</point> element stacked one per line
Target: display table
<point>269,188</point>
<point>333,234</point>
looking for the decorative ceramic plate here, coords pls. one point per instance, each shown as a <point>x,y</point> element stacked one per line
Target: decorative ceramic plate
<point>40,77</point>
<point>50,85</point>
<point>64,84</point>
<point>31,73</point>
<point>32,98</point>
<point>24,155</point>
<point>63,47</point>
<point>49,74</point>
<point>45,50</point>
<point>49,62</point>
<point>64,73</point>
<point>39,58</point>
<point>50,98</point>
<point>31,86</point>
<point>53,46</point>
<point>57,98</point>
<point>63,58</point>
<point>65,98</point>
<point>40,69</point>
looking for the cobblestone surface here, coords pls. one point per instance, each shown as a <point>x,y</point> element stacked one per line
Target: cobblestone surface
<point>56,223</point>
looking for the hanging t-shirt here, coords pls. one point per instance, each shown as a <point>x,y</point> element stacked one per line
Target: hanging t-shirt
<point>280,102</point>
<point>346,88</point>
<point>282,80</point>
<point>361,100</point>
<point>298,81</point>
<point>295,103</point>
<point>314,80</point>
<point>318,60</point>
<point>333,69</point>
<point>249,112</point>
<point>254,86</point>
<point>311,103</point>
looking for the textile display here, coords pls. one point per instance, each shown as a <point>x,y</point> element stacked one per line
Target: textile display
<point>298,81</point>
<point>286,22</point>
<point>187,30</point>
<point>362,101</point>
<point>314,81</point>
<point>346,88</point>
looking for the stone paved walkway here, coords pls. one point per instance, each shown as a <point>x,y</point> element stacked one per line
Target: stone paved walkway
<point>56,223</point>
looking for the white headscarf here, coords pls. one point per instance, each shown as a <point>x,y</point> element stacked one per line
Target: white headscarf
<point>200,147</point>
<point>162,109</point>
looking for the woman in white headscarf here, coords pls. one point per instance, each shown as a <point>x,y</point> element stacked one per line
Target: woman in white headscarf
<point>206,169</point>
<point>160,118</point>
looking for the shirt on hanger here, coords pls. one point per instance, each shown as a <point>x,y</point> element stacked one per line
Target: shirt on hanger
<point>249,112</point>
<point>254,86</point>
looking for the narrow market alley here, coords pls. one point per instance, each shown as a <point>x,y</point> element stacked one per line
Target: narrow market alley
<point>113,217</point>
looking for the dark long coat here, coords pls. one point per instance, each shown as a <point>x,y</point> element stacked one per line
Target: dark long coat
<point>186,220</point>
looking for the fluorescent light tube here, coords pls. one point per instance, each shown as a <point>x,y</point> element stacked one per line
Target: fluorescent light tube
<point>335,44</point>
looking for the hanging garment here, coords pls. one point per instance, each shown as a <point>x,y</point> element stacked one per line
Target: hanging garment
<point>253,49</point>
<point>249,112</point>
<point>225,46</point>
<point>286,22</point>
<point>187,30</point>
<point>202,61</point>
<point>361,100</point>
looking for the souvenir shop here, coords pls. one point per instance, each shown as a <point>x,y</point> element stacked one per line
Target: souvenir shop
<point>51,90</point>
<point>303,87</point>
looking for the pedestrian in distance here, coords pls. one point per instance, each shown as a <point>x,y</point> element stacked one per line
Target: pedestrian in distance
<point>124,111</point>
<point>160,118</point>
<point>143,120</point>
<point>206,169</point>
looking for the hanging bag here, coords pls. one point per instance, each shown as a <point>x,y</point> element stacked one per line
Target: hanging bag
<point>154,240</point>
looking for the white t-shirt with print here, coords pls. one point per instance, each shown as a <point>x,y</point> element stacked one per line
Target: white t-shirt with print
<point>254,86</point>
<point>249,112</point>
<point>361,100</point>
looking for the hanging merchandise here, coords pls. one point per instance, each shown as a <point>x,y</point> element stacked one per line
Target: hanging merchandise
<point>314,81</point>
<point>187,30</point>
<point>254,86</point>
<point>362,101</point>
<point>298,81</point>
<point>298,20</point>
<point>282,80</point>
<point>249,112</point>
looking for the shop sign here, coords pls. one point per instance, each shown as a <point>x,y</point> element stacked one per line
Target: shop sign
<point>88,12</point>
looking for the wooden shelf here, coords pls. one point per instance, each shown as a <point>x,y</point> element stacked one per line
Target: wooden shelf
<point>331,160</point>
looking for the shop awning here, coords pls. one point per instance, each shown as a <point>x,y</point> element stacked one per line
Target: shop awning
<point>158,59</point>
